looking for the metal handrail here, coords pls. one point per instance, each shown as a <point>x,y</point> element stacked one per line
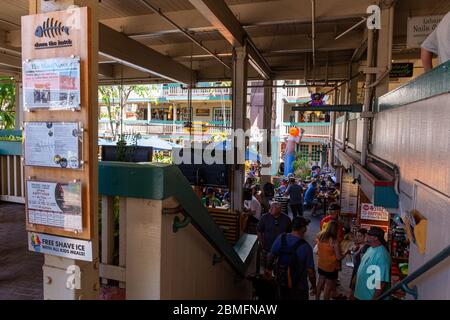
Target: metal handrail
<point>403,285</point>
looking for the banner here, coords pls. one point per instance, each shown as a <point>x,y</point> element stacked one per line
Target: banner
<point>59,246</point>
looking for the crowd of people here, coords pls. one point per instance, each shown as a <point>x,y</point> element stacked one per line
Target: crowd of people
<point>288,259</point>
<point>303,270</point>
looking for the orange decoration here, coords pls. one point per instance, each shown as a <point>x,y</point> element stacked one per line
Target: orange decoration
<point>294,132</point>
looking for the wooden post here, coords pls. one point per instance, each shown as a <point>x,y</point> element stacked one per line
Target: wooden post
<point>84,39</point>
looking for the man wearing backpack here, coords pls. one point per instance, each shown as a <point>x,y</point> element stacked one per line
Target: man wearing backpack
<point>294,263</point>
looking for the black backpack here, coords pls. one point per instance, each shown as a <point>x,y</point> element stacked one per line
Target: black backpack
<point>287,268</point>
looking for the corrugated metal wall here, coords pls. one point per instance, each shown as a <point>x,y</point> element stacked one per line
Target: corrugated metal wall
<point>417,138</point>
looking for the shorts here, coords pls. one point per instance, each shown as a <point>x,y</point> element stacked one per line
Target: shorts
<point>329,275</point>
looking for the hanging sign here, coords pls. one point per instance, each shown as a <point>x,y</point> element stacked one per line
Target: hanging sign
<point>370,212</point>
<point>53,144</point>
<point>54,204</point>
<point>419,28</point>
<point>402,70</point>
<point>59,246</point>
<point>52,84</point>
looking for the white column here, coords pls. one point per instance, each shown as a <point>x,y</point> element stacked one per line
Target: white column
<point>240,65</point>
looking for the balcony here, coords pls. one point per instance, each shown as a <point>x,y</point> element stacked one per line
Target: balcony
<point>166,127</point>
<point>312,129</point>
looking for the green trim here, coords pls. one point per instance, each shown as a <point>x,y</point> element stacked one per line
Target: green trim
<point>430,84</point>
<point>7,133</point>
<point>10,148</point>
<point>157,181</point>
<point>180,224</point>
<point>307,124</point>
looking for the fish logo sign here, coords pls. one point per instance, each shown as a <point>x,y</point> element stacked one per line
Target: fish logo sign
<point>51,29</point>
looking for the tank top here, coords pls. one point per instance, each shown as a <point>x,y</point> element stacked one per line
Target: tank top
<point>327,260</point>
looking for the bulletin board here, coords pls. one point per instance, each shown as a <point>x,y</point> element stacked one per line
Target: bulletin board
<point>58,103</point>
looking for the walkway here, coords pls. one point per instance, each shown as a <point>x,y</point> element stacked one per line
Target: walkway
<point>20,270</point>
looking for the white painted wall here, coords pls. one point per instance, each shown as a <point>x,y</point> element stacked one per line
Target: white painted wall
<point>417,138</point>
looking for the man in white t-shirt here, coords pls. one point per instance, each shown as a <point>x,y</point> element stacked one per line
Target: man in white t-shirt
<point>438,42</point>
<point>253,207</point>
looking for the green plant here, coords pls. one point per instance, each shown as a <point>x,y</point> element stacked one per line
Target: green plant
<point>301,167</point>
<point>161,157</point>
<point>7,104</point>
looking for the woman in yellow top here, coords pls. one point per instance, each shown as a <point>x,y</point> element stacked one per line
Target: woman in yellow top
<point>329,256</point>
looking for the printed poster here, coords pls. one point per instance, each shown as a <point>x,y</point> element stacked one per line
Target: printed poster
<point>59,246</point>
<point>55,204</point>
<point>370,212</point>
<point>52,84</point>
<point>53,144</point>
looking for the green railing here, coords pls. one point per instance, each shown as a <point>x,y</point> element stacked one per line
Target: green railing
<point>403,285</point>
<point>432,83</point>
<point>162,181</point>
<point>307,124</point>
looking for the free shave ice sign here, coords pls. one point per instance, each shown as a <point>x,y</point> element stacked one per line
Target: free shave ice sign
<point>59,246</point>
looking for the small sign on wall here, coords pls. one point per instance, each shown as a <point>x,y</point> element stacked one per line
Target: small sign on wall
<point>419,28</point>
<point>202,112</point>
<point>59,246</point>
<point>54,205</point>
<point>53,144</point>
<point>51,84</point>
<point>370,212</point>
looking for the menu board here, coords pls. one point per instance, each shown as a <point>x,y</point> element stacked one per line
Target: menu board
<point>52,84</point>
<point>349,195</point>
<point>54,204</point>
<point>53,144</point>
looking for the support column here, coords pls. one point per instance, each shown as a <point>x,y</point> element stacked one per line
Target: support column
<point>384,49</point>
<point>240,65</point>
<point>56,269</point>
<point>19,104</point>
<point>354,85</point>
<point>267,125</point>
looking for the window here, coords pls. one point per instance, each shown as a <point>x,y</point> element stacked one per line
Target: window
<point>304,152</point>
<point>219,113</point>
<point>316,151</point>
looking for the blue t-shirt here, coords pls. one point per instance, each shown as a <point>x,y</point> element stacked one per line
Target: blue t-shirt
<point>310,194</point>
<point>304,255</point>
<point>295,193</point>
<point>272,227</point>
<point>375,267</point>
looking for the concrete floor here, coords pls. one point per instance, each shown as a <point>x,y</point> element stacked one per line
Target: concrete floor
<point>20,270</point>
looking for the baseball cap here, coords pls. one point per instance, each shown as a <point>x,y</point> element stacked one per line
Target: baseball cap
<point>299,222</point>
<point>291,176</point>
<point>376,232</point>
